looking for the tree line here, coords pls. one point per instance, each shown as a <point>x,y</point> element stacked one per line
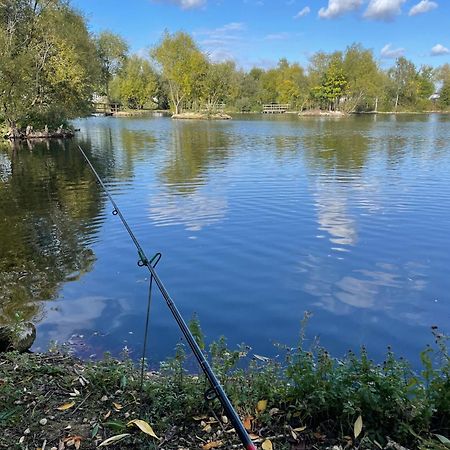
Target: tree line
<point>51,66</point>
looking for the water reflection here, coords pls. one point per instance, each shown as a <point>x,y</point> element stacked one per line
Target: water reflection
<point>346,218</point>
<point>47,199</point>
<point>193,148</point>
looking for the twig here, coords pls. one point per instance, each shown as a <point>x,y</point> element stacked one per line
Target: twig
<point>80,404</point>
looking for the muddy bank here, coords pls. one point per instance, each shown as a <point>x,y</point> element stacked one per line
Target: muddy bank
<point>201,116</point>
<point>29,133</point>
<point>319,112</point>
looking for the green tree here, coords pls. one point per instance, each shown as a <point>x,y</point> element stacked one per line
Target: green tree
<point>403,82</point>
<point>183,66</point>
<point>442,75</point>
<point>332,87</point>
<point>291,84</point>
<point>444,100</point>
<point>217,84</point>
<point>364,80</point>
<point>48,63</point>
<point>136,84</point>
<point>112,52</point>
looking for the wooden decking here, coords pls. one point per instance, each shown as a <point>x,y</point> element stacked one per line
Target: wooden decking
<point>275,108</point>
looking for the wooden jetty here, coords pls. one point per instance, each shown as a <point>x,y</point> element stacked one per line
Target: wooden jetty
<point>275,108</point>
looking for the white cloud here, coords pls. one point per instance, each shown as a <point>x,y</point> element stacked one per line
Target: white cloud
<point>278,36</point>
<point>384,9</point>
<point>305,11</point>
<point>388,52</point>
<point>439,49</point>
<point>221,43</point>
<point>189,4</point>
<point>422,7</point>
<point>336,8</point>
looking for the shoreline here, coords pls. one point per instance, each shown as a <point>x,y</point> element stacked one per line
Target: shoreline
<point>307,400</point>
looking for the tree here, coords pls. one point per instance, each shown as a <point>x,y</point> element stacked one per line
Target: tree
<point>217,84</point>
<point>291,84</point>
<point>444,99</point>
<point>364,80</point>
<point>183,66</point>
<point>112,52</point>
<point>48,63</point>
<point>403,77</point>
<point>136,84</point>
<point>332,87</point>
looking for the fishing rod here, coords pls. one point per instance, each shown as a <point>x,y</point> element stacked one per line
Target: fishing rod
<point>216,387</point>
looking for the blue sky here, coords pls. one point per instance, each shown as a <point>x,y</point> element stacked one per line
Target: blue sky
<point>260,32</point>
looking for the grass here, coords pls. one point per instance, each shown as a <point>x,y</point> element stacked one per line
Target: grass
<point>305,399</point>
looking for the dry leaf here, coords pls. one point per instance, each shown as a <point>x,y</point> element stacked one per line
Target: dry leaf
<point>207,428</point>
<point>213,444</point>
<point>114,439</point>
<point>248,423</point>
<point>107,415</point>
<point>254,437</point>
<point>65,406</point>
<point>262,405</point>
<point>143,426</point>
<point>199,418</point>
<point>117,406</point>
<point>294,434</point>
<point>267,445</point>
<point>357,428</point>
<point>299,429</point>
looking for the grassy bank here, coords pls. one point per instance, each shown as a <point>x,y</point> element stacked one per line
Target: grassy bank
<point>306,400</point>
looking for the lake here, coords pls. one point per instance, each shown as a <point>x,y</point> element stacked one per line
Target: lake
<point>259,219</point>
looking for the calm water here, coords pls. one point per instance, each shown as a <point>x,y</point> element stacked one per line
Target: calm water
<point>259,219</point>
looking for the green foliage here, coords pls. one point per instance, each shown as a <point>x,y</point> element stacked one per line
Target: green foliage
<point>112,53</point>
<point>444,99</point>
<point>48,62</point>
<point>194,327</point>
<point>183,66</point>
<point>136,83</point>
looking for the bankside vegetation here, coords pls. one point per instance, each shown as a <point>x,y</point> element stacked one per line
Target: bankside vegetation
<point>52,67</point>
<point>47,63</point>
<point>303,399</point>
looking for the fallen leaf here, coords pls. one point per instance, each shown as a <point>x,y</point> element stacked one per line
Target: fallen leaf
<point>443,439</point>
<point>357,428</point>
<point>213,444</point>
<point>248,423</point>
<point>143,426</point>
<point>207,428</point>
<point>114,439</point>
<point>267,445</point>
<point>95,430</point>
<point>107,415</point>
<point>299,429</point>
<point>253,437</point>
<point>274,411</point>
<point>117,406</point>
<point>199,418</point>
<point>294,434</point>
<point>65,406</point>
<point>262,405</point>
